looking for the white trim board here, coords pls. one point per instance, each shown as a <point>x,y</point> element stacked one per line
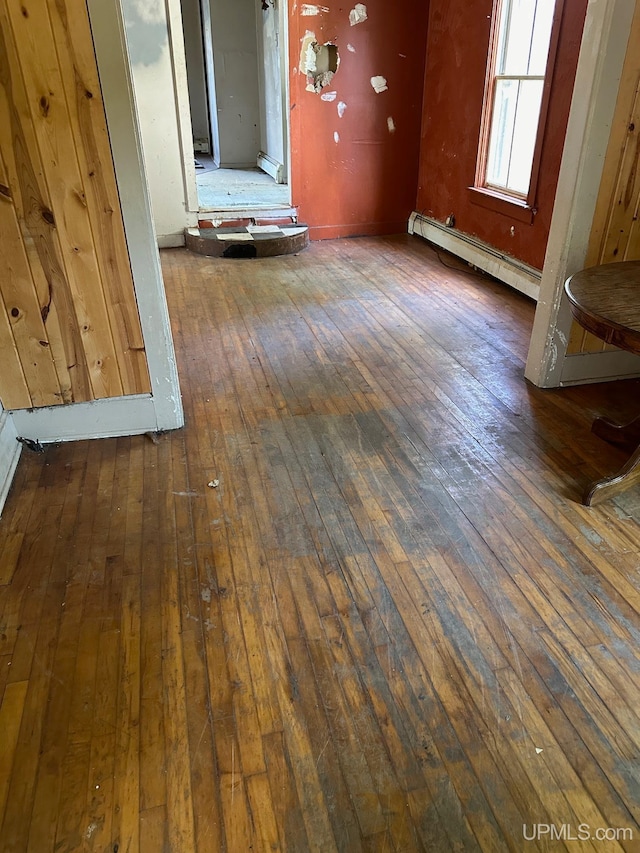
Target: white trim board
<point>183,109</point>
<point>165,411</point>
<point>171,241</point>
<point>505,268</point>
<point>98,419</point>
<point>585,368</point>
<point>10,449</point>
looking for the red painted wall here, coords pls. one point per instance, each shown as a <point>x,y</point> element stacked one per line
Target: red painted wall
<point>365,183</point>
<point>454,86</point>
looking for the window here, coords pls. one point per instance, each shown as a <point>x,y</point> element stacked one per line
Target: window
<point>520,56</point>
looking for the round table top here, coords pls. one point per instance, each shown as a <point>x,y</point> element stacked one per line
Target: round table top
<point>605,300</point>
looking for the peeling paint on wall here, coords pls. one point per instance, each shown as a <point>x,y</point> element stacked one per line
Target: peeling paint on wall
<point>309,10</point>
<point>379,84</point>
<point>351,174</point>
<point>307,41</point>
<point>358,14</point>
<point>391,125</point>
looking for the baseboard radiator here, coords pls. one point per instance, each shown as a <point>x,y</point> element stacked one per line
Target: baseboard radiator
<point>510,270</point>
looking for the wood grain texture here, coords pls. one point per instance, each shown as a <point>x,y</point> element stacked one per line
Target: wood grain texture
<point>604,300</point>
<point>72,35</point>
<point>387,625</point>
<point>72,312</point>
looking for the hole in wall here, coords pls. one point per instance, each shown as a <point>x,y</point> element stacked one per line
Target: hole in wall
<point>319,62</point>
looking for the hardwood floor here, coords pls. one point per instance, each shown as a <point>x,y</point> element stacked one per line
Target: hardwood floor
<point>354,605</point>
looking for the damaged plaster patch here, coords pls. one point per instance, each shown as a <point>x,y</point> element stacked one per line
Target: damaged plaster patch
<point>358,15</point>
<point>318,61</point>
<point>309,10</point>
<point>391,125</point>
<point>329,96</point>
<point>379,84</point>
<point>341,108</point>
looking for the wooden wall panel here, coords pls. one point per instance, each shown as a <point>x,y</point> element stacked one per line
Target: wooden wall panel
<point>25,192</point>
<point>74,290</point>
<point>82,86</point>
<point>615,233</point>
<point>28,368</point>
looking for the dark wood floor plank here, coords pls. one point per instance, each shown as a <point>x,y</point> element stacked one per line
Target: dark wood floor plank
<point>286,806</point>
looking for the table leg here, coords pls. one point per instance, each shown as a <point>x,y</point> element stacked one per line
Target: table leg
<point>624,434</point>
<point>602,490</point>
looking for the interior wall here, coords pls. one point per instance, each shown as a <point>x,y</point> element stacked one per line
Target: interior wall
<point>457,48</point>
<point>355,148</point>
<point>235,57</point>
<point>147,35</point>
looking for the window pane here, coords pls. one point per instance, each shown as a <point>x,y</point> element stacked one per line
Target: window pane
<point>501,136</point>
<point>503,33</point>
<point>513,134</point>
<point>520,21</point>
<point>524,135</point>
<point>541,37</point>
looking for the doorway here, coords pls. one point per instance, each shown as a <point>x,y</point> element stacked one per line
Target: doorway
<point>236,61</point>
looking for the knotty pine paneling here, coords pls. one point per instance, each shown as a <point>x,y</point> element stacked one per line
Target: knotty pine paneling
<point>615,235</point>
<point>69,324</point>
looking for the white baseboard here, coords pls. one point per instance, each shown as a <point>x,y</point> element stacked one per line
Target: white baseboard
<point>99,419</point>
<point>271,167</point>
<point>10,450</point>
<point>510,270</point>
<point>585,368</point>
<point>170,241</point>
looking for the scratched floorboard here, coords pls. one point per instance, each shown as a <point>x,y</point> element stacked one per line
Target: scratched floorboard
<point>353,605</point>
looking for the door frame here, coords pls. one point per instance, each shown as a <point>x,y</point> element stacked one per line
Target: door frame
<point>179,71</point>
<point>210,79</point>
<point>602,53</point>
<point>278,171</point>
